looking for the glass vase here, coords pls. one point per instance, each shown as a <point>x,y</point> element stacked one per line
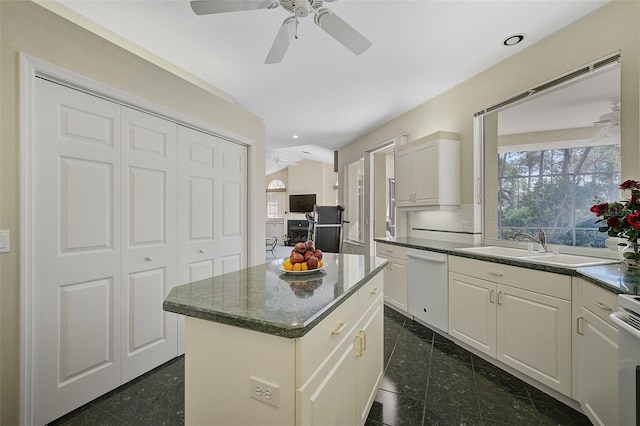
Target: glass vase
<point>631,256</point>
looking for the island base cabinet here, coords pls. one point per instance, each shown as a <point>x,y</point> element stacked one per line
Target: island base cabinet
<point>342,390</point>
<point>219,363</point>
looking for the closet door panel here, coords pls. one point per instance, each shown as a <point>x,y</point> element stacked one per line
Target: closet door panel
<point>198,247</point>
<point>75,178</point>
<point>233,205</point>
<point>150,235</point>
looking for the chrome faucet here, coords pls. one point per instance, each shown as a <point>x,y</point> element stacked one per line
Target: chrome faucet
<point>541,240</point>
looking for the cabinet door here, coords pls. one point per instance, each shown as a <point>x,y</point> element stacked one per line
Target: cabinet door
<point>369,366</point>
<point>404,178</point>
<point>329,398</point>
<point>534,336</point>
<point>395,283</point>
<point>426,174</point>
<point>598,369</point>
<point>472,312</point>
<point>149,236</point>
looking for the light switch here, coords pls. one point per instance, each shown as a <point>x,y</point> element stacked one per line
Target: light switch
<point>5,241</point>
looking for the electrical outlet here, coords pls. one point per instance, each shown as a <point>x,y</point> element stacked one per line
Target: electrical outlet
<point>263,391</point>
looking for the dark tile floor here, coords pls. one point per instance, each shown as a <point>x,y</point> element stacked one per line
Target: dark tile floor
<point>428,380</point>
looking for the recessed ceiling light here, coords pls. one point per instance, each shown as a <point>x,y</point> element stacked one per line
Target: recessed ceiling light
<point>514,39</point>
<point>295,137</point>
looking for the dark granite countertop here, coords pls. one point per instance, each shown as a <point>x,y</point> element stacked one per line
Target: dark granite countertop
<point>613,277</point>
<point>264,299</point>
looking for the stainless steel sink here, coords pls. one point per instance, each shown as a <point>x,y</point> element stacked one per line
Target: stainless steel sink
<point>565,260</point>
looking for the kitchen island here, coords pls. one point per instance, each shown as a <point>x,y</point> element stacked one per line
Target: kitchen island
<point>267,348</point>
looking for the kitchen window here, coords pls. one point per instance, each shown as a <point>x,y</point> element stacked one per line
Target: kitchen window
<point>549,153</point>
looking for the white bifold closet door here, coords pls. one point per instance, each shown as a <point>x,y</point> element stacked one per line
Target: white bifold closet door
<point>212,193</point>
<point>76,228</point>
<point>149,241</point>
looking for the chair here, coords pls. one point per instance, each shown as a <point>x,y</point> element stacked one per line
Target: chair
<point>271,245</point>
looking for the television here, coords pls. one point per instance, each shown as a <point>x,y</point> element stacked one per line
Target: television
<point>302,203</point>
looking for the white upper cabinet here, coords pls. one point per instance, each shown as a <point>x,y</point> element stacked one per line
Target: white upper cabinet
<point>427,171</point>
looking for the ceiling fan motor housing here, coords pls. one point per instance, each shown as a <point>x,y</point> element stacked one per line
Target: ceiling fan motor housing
<point>301,8</point>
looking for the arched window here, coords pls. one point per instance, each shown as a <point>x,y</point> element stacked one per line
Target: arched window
<point>276,198</point>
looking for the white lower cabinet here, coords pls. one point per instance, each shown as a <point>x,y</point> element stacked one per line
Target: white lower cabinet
<point>395,274</point>
<point>518,316</point>
<point>341,391</point>
<point>595,353</point>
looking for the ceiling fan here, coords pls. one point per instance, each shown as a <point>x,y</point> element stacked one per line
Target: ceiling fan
<point>331,23</point>
<point>610,121</point>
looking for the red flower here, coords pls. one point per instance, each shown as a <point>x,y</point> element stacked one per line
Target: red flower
<point>629,184</point>
<point>633,219</point>
<point>613,222</point>
<point>599,209</point>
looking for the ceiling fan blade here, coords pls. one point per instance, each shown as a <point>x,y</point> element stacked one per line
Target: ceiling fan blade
<point>341,31</point>
<point>282,41</point>
<point>206,7</point>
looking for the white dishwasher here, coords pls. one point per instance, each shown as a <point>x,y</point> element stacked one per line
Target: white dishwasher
<point>428,288</point>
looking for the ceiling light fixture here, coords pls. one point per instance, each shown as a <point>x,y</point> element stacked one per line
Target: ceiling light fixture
<point>295,137</point>
<point>514,39</point>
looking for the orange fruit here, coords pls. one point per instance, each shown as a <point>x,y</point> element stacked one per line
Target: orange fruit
<point>304,266</point>
<point>320,264</point>
<point>297,266</point>
<point>288,267</point>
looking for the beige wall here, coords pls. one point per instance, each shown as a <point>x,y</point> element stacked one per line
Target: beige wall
<point>615,26</point>
<point>308,177</point>
<point>28,28</point>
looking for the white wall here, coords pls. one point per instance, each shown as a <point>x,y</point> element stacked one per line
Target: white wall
<point>615,26</point>
<point>26,27</point>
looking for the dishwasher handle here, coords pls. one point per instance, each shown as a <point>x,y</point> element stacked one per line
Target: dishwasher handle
<point>621,320</point>
<point>427,258</point>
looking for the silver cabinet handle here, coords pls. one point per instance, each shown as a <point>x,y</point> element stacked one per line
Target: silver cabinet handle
<point>603,306</point>
<point>492,295</point>
<point>364,340</point>
<point>499,298</point>
<point>148,259</point>
<point>496,273</point>
<point>374,290</point>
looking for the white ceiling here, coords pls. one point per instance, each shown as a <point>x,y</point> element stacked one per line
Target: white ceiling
<point>321,91</point>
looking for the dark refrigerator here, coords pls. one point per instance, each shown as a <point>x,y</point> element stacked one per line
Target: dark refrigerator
<point>326,228</point>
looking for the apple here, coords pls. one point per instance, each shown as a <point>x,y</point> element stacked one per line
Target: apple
<point>296,257</point>
<point>307,254</point>
<point>312,262</point>
<point>300,247</point>
<point>310,245</point>
<point>318,253</point>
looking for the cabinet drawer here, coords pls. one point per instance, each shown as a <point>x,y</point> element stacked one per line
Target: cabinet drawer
<point>598,300</point>
<point>369,293</point>
<point>316,345</point>
<point>389,250</point>
<point>528,279</point>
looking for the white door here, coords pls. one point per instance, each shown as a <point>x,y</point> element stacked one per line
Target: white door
<point>149,236</point>
<point>197,217</point>
<point>232,201</point>
<point>76,239</point>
